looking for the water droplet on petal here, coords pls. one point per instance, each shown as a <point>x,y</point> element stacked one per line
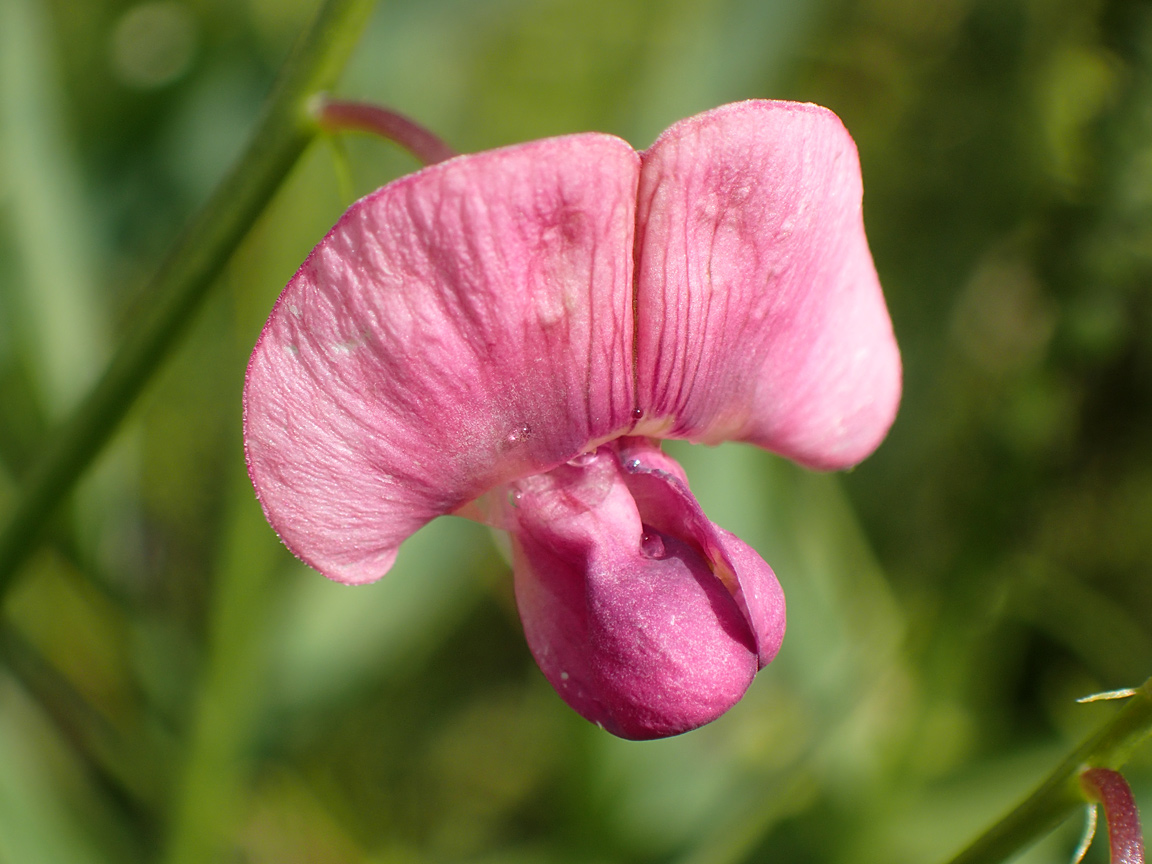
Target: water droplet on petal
<point>582,460</point>
<point>519,435</point>
<point>632,465</point>
<point>514,496</point>
<point>637,413</point>
<point>651,545</point>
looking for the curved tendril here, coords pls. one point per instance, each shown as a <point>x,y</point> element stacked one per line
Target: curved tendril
<point>1088,836</point>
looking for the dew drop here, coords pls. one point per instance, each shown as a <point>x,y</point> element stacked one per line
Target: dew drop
<point>633,465</point>
<point>514,496</point>
<point>637,413</point>
<point>651,545</point>
<point>583,460</point>
<point>519,434</point>
<point>563,676</point>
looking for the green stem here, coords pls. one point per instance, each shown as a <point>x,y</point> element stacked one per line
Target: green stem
<point>210,802</point>
<point>1060,795</point>
<point>178,288</point>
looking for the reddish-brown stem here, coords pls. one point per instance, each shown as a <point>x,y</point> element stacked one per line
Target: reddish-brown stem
<point>1110,789</point>
<point>341,115</point>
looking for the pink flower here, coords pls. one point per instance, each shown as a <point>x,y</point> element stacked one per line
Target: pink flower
<point>505,335</point>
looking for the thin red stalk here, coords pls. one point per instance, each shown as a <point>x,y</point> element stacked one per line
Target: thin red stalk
<point>1110,789</point>
<point>341,115</point>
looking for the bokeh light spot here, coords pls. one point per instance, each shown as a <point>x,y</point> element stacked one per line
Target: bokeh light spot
<point>153,44</point>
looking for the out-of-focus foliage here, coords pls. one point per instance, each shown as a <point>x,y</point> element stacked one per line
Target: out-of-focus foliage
<point>175,687</point>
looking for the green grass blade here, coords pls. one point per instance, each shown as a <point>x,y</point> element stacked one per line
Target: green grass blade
<point>183,280</point>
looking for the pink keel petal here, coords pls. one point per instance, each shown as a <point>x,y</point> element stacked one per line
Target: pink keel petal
<point>628,622</point>
<point>760,314</point>
<point>459,328</point>
<point>660,490</point>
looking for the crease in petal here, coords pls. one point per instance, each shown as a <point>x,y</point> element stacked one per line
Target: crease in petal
<point>458,328</point>
<point>759,313</point>
<point>622,607</point>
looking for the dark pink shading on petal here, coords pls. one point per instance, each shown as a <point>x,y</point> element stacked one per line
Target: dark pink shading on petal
<point>459,328</point>
<point>628,620</point>
<point>759,596</point>
<point>760,316</point>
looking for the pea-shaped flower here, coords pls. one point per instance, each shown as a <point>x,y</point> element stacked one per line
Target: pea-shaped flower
<point>507,336</point>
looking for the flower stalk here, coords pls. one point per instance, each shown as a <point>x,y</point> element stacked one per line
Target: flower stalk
<point>344,115</point>
<point>1059,796</point>
<point>1109,789</point>
<point>180,285</point>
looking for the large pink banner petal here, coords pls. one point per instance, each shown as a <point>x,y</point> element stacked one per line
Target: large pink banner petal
<point>759,313</point>
<point>459,328</point>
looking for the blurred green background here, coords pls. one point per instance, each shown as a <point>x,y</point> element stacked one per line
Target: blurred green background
<point>175,687</point>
